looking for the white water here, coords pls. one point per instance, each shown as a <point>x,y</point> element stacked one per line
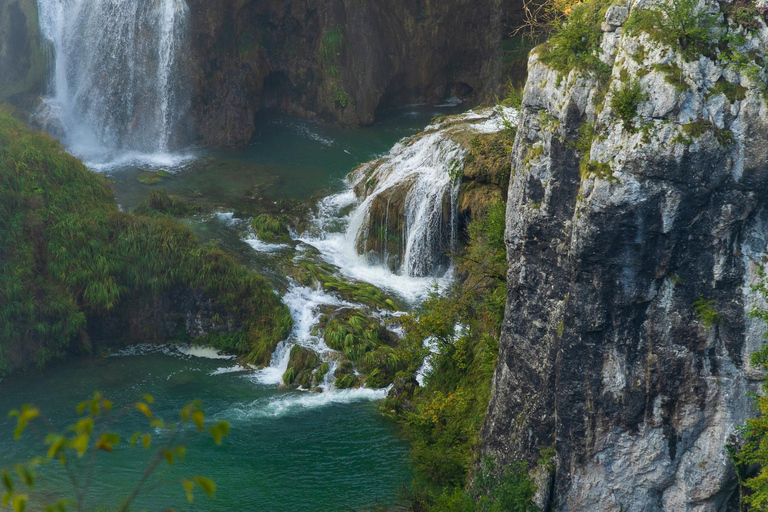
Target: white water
<point>425,164</point>
<point>118,93</point>
<point>305,304</point>
<point>295,403</point>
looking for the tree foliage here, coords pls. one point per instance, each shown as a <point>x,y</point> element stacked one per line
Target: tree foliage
<point>94,435</point>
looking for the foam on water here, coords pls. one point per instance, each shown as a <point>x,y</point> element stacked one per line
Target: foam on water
<point>297,402</point>
<point>203,352</point>
<point>258,245</point>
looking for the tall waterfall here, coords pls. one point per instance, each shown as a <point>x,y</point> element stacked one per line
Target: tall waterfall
<point>118,89</point>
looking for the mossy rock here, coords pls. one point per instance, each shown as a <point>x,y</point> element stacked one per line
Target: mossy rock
<point>303,361</point>
<point>347,382</point>
<point>160,203</point>
<point>149,178</point>
<point>271,229</point>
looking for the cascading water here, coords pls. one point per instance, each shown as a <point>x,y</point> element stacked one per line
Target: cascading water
<point>407,217</point>
<point>117,90</point>
<point>412,190</point>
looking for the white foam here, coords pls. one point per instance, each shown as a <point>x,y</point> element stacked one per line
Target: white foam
<point>203,352</point>
<point>304,304</point>
<point>230,369</point>
<point>298,402</point>
<point>258,245</point>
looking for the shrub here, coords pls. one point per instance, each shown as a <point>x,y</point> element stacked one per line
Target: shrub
<point>93,435</point>
<point>625,101</point>
<point>576,44</point>
<point>678,24</point>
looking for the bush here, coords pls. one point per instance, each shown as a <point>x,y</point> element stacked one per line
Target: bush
<point>69,256</point>
<point>93,435</point>
<point>625,101</point>
<point>678,24</point>
<point>576,44</point>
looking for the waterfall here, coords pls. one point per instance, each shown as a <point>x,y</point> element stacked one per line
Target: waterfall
<point>407,217</point>
<point>118,89</point>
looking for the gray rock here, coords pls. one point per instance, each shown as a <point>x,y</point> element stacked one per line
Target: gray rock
<point>601,351</point>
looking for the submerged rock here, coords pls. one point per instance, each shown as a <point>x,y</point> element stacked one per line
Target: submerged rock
<point>602,354</point>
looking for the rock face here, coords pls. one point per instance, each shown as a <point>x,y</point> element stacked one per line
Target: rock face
<point>23,63</point>
<point>339,60</point>
<point>602,354</point>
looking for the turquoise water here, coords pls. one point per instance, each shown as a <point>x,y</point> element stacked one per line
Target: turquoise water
<point>285,451</point>
<point>292,450</point>
<point>288,158</point>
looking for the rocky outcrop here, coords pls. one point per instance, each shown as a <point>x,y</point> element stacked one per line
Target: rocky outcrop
<point>603,354</point>
<point>339,61</point>
<point>23,63</point>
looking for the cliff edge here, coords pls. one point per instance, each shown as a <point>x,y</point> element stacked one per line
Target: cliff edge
<point>636,225</point>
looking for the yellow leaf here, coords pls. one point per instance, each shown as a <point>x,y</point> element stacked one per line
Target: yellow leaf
<point>146,440</point>
<point>181,452</point>
<point>149,399</point>
<point>206,484</point>
<point>188,486</point>
<point>144,408</point>
<point>19,502</point>
<point>168,454</point>
<point>80,444</point>
<point>198,417</point>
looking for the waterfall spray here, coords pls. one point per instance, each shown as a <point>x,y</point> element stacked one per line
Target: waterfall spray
<point>117,88</point>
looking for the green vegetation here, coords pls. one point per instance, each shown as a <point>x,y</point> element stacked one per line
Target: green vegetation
<point>698,128</point>
<point>271,229</point>
<point>706,312</point>
<point>673,75</point>
<point>576,43</point>
<point>69,255</point>
<point>77,448</point>
<point>751,457</point>
<point>679,24</point>
<point>160,203</point>
<point>309,273</point>
<point>459,332</point>
<point>330,50</point>
<point>601,170</point>
<point>625,101</point>
<point>734,92</point>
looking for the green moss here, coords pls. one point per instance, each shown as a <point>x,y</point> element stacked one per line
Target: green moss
<point>673,75</point>
<point>698,128</point>
<point>331,46</point>
<point>301,365</point>
<point>734,92</point>
<point>271,229</point>
<point>600,170</point>
<point>69,255</point>
<point>160,203</point>
<point>532,155</point>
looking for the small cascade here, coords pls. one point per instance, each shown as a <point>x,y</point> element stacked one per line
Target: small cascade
<point>117,90</point>
<point>406,219</point>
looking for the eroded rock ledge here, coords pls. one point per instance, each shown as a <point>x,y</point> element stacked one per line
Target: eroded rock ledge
<point>602,354</point>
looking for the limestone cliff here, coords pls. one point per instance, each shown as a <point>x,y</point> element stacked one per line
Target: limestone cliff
<point>610,244</point>
<point>339,60</point>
